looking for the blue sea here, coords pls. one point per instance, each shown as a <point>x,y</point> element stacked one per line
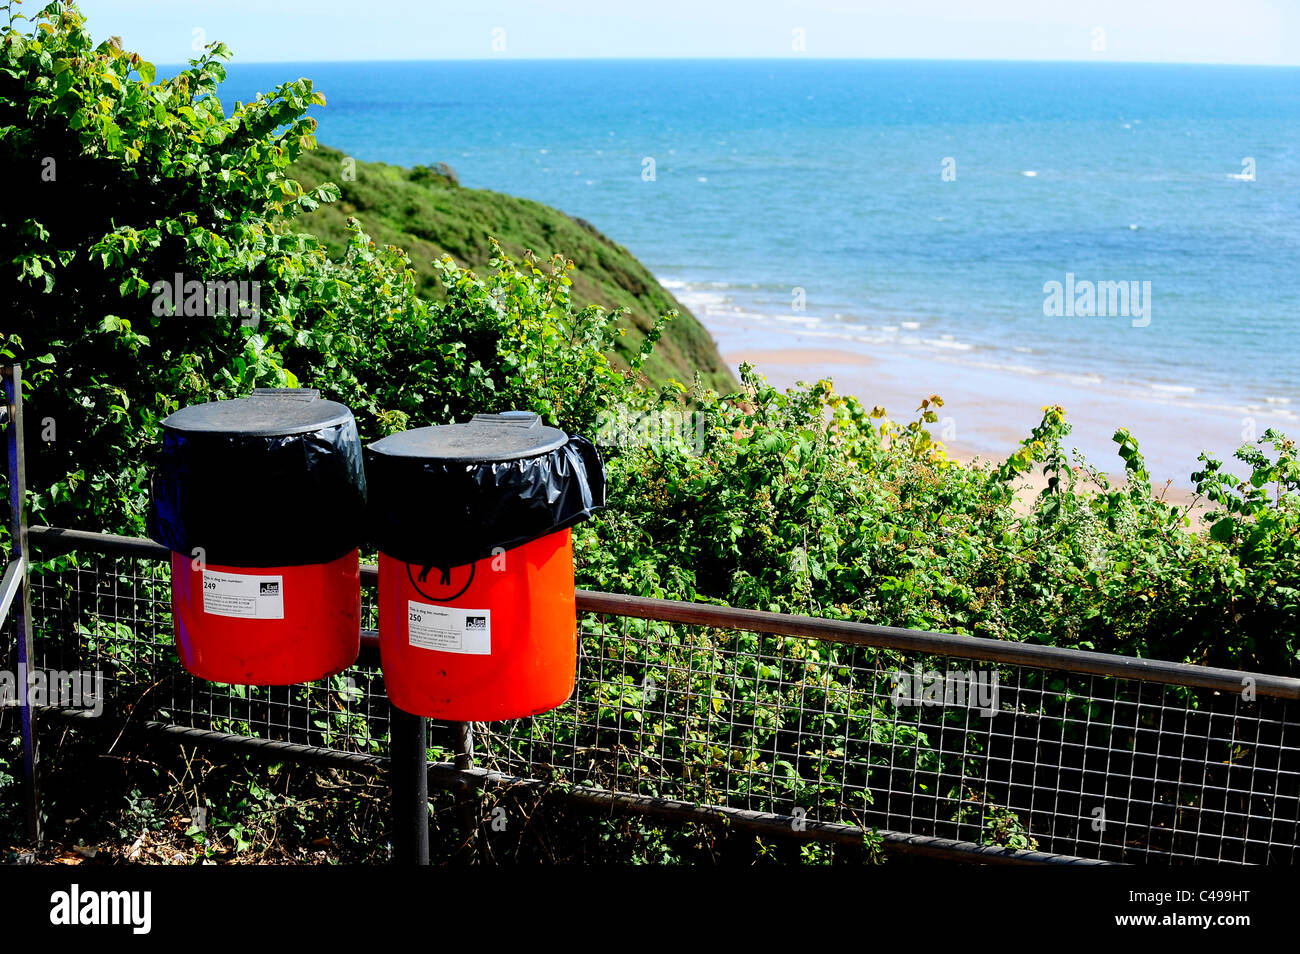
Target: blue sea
<point>899,206</point>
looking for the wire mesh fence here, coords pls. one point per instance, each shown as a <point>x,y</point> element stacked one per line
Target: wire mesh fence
<point>1060,762</point>
<point>816,730</point>
<point>112,616</point>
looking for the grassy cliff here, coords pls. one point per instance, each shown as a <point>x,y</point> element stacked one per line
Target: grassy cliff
<point>427,213</point>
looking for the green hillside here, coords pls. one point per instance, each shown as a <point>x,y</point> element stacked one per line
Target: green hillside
<point>424,211</point>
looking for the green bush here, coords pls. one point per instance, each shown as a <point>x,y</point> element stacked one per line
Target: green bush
<point>803,501</point>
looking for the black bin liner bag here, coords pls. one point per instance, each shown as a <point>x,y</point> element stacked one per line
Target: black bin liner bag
<point>275,479</point>
<point>449,495</point>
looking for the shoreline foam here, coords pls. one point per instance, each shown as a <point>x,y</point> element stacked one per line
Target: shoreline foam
<point>989,408</point>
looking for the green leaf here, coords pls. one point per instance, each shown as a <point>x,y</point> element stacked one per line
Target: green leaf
<point>1223,529</point>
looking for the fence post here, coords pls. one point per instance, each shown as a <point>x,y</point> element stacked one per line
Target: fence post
<point>408,761</point>
<point>467,802</point>
<point>17,473</point>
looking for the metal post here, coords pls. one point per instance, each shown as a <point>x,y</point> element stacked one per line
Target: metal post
<point>467,803</point>
<point>408,754</point>
<point>17,472</point>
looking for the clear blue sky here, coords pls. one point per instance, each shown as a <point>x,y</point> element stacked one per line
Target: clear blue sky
<point>1198,31</point>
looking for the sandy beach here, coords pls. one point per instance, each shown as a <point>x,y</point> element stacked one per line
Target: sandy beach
<point>987,412</point>
<point>995,421</point>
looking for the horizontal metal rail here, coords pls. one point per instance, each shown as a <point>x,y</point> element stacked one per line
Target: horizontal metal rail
<point>943,644</point>
<point>207,738</point>
<point>52,539</point>
<point>448,776</point>
<point>769,823</point>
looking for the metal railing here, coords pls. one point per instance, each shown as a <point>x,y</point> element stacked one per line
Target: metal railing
<point>15,591</point>
<point>789,726</point>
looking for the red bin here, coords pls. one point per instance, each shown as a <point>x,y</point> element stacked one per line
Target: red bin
<point>262,502</point>
<point>477,620</point>
<point>267,626</point>
<point>504,647</point>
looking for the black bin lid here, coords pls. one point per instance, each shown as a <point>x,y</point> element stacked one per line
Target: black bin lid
<point>451,494</point>
<point>485,438</point>
<point>273,479</point>
<point>266,412</point>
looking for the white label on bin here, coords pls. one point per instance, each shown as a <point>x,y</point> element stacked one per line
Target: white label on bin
<point>450,629</point>
<point>243,595</point>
